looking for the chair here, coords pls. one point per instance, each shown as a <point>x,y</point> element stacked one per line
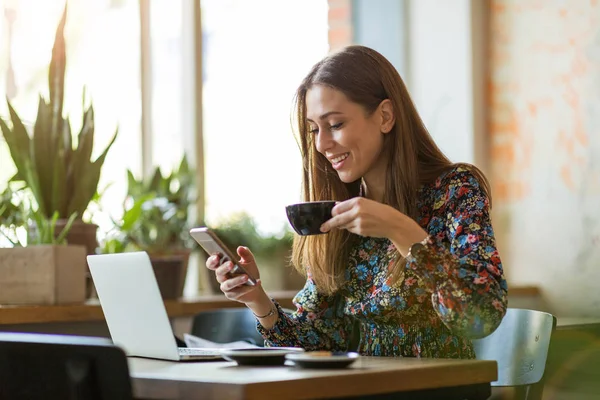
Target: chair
<point>42,366</point>
<point>520,347</point>
<point>227,325</point>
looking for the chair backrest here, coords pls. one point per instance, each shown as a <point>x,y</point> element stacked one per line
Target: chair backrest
<point>41,366</point>
<point>519,346</point>
<point>227,325</point>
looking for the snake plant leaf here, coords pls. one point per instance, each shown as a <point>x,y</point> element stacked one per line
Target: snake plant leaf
<point>67,140</point>
<point>63,178</point>
<point>85,140</point>
<point>56,76</point>
<point>59,185</point>
<point>81,163</point>
<point>43,153</point>
<point>88,178</point>
<point>16,138</point>
<point>33,181</point>
<point>69,173</point>
<point>19,145</point>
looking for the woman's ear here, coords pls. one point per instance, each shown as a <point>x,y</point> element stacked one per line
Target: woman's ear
<point>388,118</point>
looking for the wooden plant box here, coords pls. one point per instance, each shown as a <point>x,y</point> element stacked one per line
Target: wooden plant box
<point>44,274</point>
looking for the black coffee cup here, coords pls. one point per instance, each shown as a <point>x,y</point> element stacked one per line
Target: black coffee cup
<point>307,218</point>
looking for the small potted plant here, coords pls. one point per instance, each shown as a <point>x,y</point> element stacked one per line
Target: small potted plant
<point>272,252</point>
<point>156,220</point>
<point>60,173</point>
<point>39,268</point>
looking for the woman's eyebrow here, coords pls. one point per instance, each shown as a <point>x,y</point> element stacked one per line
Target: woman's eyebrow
<point>327,114</point>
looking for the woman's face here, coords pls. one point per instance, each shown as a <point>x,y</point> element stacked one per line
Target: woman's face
<point>351,140</point>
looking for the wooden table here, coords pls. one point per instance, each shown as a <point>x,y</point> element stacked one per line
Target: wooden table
<point>415,378</point>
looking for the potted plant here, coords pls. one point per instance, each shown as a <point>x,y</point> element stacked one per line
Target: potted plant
<point>156,220</point>
<point>60,173</point>
<point>272,251</point>
<point>40,268</point>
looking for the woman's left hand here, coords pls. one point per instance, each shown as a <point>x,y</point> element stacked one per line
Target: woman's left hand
<point>366,217</point>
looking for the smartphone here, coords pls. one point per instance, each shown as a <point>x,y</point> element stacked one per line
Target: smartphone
<point>211,243</point>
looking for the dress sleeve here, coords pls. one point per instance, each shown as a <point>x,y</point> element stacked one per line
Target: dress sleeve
<point>317,323</point>
<point>459,263</point>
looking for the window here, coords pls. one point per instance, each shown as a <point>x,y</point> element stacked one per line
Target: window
<point>255,55</point>
<point>172,80</point>
<point>103,54</point>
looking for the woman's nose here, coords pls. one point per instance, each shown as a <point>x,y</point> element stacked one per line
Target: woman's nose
<point>324,141</point>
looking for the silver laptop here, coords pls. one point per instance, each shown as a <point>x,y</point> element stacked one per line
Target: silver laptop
<point>134,309</point>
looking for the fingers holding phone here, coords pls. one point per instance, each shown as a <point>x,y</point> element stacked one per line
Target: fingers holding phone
<point>237,273</point>
<point>247,261</point>
<point>238,282</point>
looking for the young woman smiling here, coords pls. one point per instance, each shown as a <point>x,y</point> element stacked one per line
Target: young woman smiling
<point>409,258</point>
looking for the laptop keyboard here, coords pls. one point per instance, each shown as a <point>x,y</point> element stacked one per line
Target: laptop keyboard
<point>187,351</point>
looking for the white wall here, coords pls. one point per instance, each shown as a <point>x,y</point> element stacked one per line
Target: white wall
<point>381,25</point>
<point>439,65</point>
<point>545,118</point>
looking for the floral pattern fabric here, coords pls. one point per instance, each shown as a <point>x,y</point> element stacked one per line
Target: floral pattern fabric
<point>452,292</point>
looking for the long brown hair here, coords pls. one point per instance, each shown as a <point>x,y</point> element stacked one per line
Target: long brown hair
<point>366,78</point>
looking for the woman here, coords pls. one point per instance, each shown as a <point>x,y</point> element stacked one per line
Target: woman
<point>409,259</point>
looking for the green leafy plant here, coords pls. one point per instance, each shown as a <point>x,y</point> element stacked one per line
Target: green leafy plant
<point>60,174</point>
<point>241,230</point>
<point>39,229</point>
<point>45,229</point>
<point>11,216</point>
<point>156,213</point>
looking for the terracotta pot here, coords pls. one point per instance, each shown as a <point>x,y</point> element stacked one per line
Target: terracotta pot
<point>81,233</point>
<point>170,271</point>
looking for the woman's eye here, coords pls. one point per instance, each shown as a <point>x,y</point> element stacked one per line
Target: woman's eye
<point>313,131</point>
<point>336,126</point>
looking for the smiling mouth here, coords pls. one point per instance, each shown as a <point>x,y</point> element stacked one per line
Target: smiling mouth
<point>338,162</point>
<point>339,159</point>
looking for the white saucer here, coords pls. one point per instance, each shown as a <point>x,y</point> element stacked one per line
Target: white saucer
<point>319,360</point>
<point>260,355</point>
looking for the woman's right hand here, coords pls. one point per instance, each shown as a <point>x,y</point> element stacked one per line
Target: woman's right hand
<point>234,287</point>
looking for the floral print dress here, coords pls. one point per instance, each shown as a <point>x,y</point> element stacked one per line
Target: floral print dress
<point>452,292</point>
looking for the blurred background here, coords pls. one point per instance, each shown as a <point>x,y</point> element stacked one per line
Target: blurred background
<point>511,86</point>
<point>201,94</point>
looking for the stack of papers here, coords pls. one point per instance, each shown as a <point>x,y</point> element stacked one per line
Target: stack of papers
<point>195,341</point>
